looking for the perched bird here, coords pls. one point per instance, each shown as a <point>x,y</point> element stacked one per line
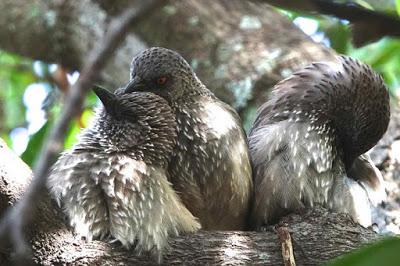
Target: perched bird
<point>210,165</point>
<point>114,181</point>
<point>308,141</point>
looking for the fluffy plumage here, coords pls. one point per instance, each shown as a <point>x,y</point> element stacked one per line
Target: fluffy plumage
<point>210,165</point>
<point>307,141</point>
<point>114,181</point>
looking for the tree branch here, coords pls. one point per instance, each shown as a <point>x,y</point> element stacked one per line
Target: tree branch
<point>11,226</point>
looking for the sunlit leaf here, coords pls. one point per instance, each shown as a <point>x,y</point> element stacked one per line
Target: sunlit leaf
<point>398,7</point>
<point>15,75</point>
<point>6,139</point>
<point>35,144</point>
<point>76,127</point>
<point>385,252</point>
<point>337,33</point>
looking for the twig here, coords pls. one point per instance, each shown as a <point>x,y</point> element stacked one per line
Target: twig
<point>287,247</point>
<point>11,226</point>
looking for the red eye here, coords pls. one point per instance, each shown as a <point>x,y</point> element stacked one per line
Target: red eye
<point>162,80</point>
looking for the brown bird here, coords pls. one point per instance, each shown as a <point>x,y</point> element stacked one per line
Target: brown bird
<point>114,181</point>
<point>308,141</point>
<point>210,166</point>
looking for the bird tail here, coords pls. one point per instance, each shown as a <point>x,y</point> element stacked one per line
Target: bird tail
<point>369,177</point>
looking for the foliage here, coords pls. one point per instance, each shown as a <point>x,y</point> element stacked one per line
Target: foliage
<point>384,252</point>
<point>16,75</point>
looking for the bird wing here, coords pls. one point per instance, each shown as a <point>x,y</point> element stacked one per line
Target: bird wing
<point>285,172</point>
<point>72,184</point>
<point>115,194</point>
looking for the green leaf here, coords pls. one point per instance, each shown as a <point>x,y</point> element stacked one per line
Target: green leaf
<point>16,74</point>
<point>377,54</point>
<point>72,135</point>
<point>35,145</point>
<point>75,128</point>
<point>337,33</point>
<point>385,252</point>
<point>6,139</point>
<point>398,7</point>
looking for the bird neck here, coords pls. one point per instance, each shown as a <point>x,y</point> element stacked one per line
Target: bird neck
<point>191,98</point>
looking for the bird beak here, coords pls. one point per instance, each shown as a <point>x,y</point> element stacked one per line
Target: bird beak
<point>108,99</point>
<point>134,84</point>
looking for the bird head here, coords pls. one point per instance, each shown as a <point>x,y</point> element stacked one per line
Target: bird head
<point>163,72</point>
<point>345,101</point>
<point>141,122</point>
<point>357,107</point>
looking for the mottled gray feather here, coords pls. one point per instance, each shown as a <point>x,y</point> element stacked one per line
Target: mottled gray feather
<point>114,181</point>
<point>310,134</point>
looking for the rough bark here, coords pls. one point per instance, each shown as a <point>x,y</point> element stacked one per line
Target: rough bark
<point>317,236</point>
<point>238,48</point>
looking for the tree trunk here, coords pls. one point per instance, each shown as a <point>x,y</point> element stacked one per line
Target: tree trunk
<point>317,236</point>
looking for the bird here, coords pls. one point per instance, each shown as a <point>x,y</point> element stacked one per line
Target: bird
<point>113,183</point>
<point>309,140</point>
<point>210,166</point>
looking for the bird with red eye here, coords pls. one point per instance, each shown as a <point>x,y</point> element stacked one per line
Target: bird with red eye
<point>162,80</point>
<point>210,167</point>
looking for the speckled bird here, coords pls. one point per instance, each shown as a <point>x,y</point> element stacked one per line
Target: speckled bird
<point>210,165</point>
<point>114,181</point>
<point>308,141</point>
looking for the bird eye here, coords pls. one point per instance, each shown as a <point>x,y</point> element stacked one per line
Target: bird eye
<point>162,80</point>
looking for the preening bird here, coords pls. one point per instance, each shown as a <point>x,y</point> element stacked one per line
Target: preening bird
<point>114,181</point>
<point>210,165</point>
<point>308,141</point>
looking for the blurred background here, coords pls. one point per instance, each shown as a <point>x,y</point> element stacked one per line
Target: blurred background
<point>238,48</point>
